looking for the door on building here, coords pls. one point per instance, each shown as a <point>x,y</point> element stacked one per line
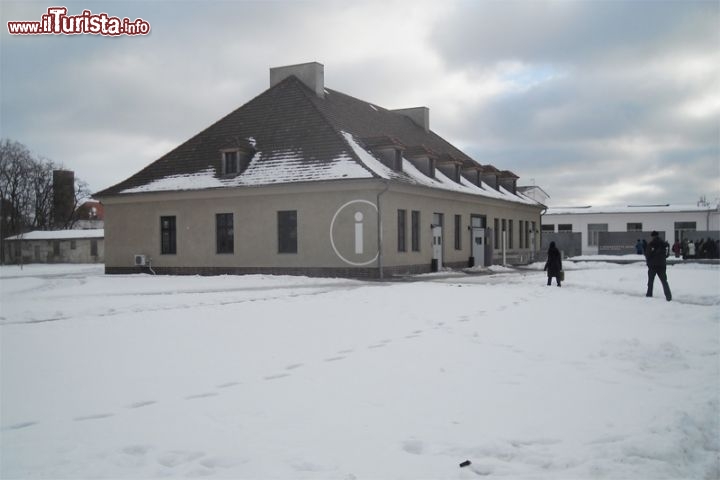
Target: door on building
<point>477,239</point>
<point>437,241</point>
<point>478,246</point>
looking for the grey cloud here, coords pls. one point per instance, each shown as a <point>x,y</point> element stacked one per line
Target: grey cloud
<point>571,32</point>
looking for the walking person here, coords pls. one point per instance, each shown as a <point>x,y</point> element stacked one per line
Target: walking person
<point>553,264</point>
<point>638,247</point>
<point>656,254</point>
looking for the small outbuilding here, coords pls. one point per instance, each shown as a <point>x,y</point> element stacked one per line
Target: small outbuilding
<point>608,230</point>
<point>56,246</point>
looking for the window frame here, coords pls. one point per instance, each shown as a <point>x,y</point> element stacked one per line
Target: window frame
<point>458,232</point>
<point>168,245</point>
<point>511,240</point>
<point>235,162</point>
<point>287,230</point>
<point>415,230</point>
<point>224,233</point>
<point>402,230</point>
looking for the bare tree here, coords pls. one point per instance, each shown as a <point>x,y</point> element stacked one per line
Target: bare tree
<point>26,192</point>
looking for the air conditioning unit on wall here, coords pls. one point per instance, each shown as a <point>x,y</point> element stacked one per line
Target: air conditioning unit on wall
<point>140,260</point>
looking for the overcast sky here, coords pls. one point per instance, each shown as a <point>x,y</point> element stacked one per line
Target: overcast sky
<point>597,102</point>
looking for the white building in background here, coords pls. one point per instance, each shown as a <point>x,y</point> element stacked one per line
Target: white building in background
<point>676,221</point>
<point>56,246</point>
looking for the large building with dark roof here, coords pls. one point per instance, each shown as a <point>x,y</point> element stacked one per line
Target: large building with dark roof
<point>303,179</point>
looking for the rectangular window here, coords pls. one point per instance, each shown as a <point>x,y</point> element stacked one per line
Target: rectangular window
<point>415,230</point>
<point>477,221</point>
<point>497,234</point>
<point>168,239</point>
<point>73,245</point>
<point>458,236</point>
<point>634,227</point>
<point>521,233</point>
<point>401,228</point>
<point>287,231</point>
<point>56,247</point>
<point>230,162</point>
<point>692,226</point>
<point>93,248</point>
<point>548,227</point>
<point>565,227</point>
<point>511,244</point>
<point>593,230</point>
<point>224,233</point>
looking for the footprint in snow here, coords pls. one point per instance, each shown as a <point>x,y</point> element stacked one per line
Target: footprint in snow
<point>293,366</point>
<point>93,417</point>
<point>145,403</point>
<point>277,376</point>
<point>228,384</point>
<point>19,426</point>
<point>201,395</point>
<point>334,359</point>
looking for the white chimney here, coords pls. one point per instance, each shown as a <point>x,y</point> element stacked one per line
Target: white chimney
<point>419,115</point>
<point>311,74</point>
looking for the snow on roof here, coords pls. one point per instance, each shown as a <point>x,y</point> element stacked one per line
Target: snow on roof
<point>630,209</point>
<point>283,167</point>
<point>59,234</point>
<point>289,166</point>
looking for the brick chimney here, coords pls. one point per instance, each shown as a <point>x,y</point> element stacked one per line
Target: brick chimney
<point>63,197</point>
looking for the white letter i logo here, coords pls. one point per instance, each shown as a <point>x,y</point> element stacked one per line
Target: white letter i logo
<point>358,233</point>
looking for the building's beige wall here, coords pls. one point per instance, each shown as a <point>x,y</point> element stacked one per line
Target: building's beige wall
<point>132,224</point>
<point>429,201</point>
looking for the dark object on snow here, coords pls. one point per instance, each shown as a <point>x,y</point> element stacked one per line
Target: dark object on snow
<point>553,264</point>
<point>465,463</point>
<point>656,255</point>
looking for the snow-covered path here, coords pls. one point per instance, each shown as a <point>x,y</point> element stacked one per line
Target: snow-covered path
<point>288,377</point>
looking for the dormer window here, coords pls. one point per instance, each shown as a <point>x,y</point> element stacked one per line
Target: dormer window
<point>386,149</point>
<point>230,163</point>
<point>235,161</point>
<point>422,158</point>
<point>450,166</point>
<point>398,160</point>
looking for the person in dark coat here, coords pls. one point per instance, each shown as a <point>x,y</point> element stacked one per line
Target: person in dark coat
<point>553,264</point>
<point>656,254</point>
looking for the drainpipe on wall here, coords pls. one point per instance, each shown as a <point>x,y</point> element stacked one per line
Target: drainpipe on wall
<point>379,230</point>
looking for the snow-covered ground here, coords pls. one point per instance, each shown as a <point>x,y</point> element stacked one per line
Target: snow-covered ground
<point>288,377</point>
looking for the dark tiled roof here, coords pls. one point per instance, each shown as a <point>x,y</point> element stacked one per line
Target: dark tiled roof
<point>289,124</point>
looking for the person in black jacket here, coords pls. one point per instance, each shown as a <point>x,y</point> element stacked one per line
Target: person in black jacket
<point>553,264</point>
<point>658,250</point>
